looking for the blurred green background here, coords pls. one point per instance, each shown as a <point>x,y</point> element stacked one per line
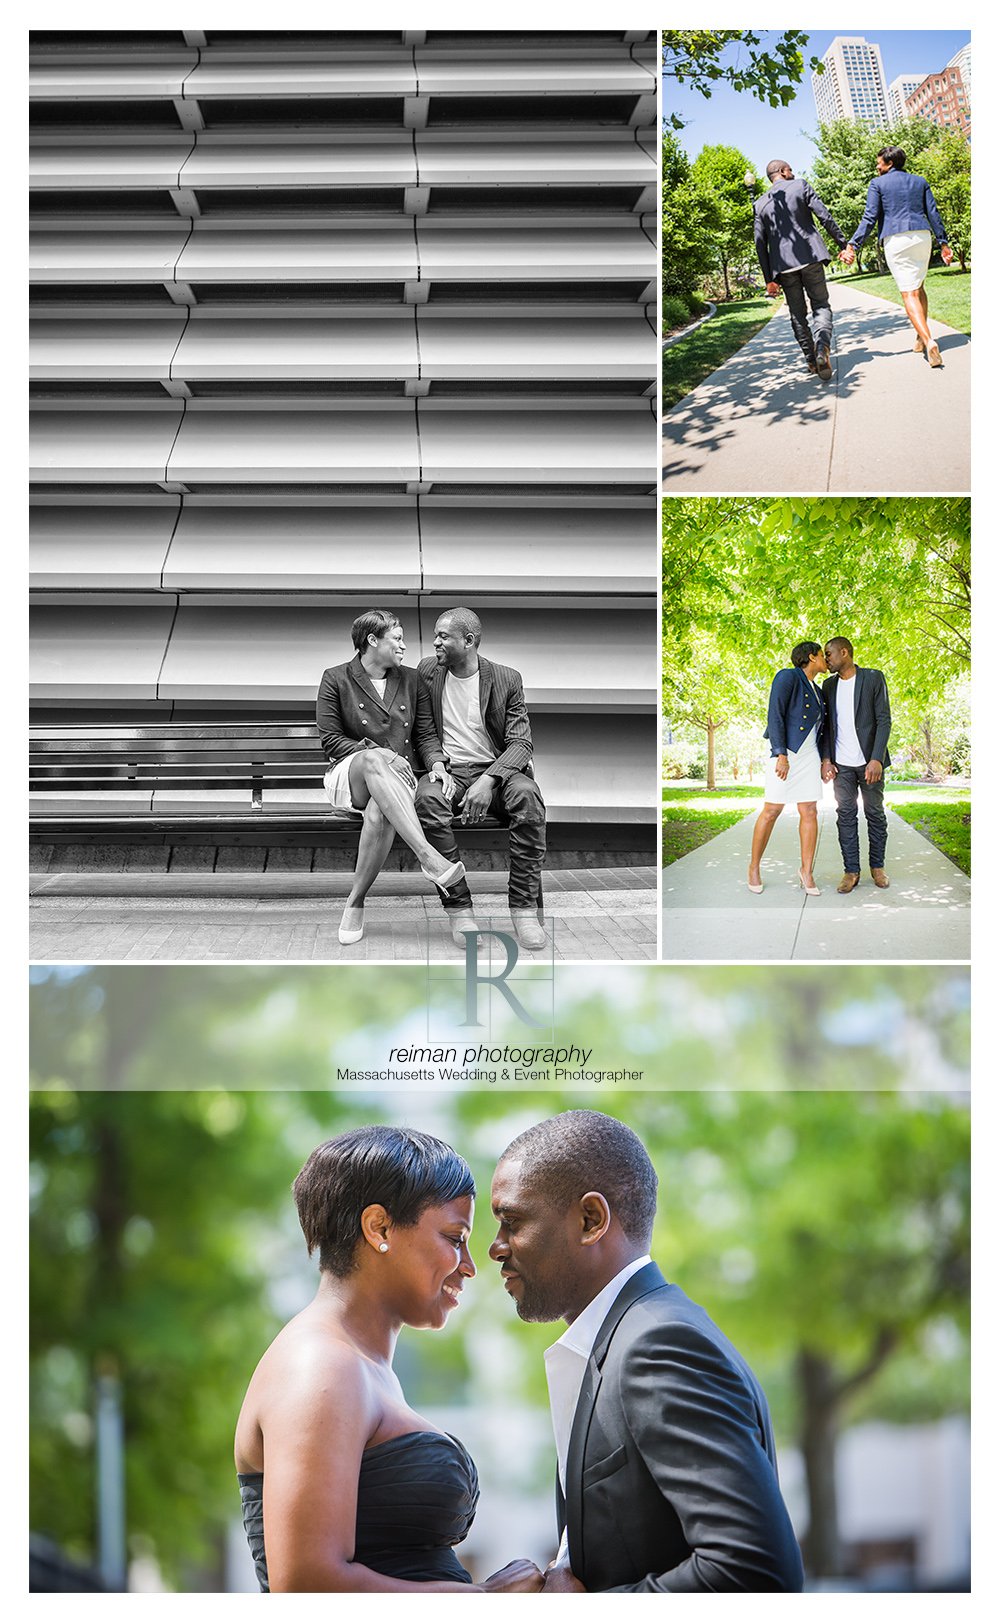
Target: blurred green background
<point>811,1134</point>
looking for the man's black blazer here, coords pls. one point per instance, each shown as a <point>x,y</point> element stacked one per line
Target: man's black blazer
<point>671,1482</point>
<point>502,706</point>
<point>784,229</point>
<point>872,716</point>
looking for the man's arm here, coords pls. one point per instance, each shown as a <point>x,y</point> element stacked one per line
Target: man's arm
<point>883,717</point>
<point>695,1423</point>
<point>821,213</point>
<point>517,746</point>
<point>429,750</point>
<point>760,243</point>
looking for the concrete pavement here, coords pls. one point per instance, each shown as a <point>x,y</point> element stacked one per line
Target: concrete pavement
<point>885,422</point>
<point>590,915</point>
<point>709,913</point>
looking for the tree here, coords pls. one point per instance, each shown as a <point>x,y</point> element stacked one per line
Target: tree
<point>691,219</point>
<point>844,167</point>
<point>695,57</point>
<point>947,166</point>
<point>718,173</point>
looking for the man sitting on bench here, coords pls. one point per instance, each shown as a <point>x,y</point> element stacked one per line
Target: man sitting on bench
<point>481,720</point>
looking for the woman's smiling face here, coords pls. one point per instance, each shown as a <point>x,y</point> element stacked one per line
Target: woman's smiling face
<point>430,1263</point>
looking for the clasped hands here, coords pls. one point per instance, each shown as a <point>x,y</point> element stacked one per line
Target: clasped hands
<point>847,255</point>
<point>873,771</point>
<point>525,1578</point>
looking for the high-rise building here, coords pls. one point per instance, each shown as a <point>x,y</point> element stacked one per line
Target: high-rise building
<point>962,60</point>
<point>902,86</point>
<point>852,84</point>
<point>943,99</point>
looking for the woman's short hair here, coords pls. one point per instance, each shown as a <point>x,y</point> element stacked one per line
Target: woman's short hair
<point>803,652</point>
<point>395,1167</point>
<point>373,623</point>
<point>894,155</point>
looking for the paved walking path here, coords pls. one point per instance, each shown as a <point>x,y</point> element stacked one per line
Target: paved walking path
<point>885,423</point>
<point>595,914</point>
<point>708,912</point>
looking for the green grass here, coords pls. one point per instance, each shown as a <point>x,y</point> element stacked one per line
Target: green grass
<point>943,816</point>
<point>684,829</point>
<point>687,363</point>
<point>949,293</point>
<point>720,795</point>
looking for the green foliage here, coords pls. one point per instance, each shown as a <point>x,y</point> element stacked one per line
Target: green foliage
<point>687,363</point>
<point>844,167</point>
<point>718,172</point>
<point>691,218</point>
<point>695,57</point>
<point>947,166</point>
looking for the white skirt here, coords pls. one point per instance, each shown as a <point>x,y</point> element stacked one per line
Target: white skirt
<point>804,780</point>
<point>908,254</point>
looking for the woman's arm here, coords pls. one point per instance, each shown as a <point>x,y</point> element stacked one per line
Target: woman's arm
<point>777,714</point>
<point>933,215</point>
<point>337,743</point>
<point>315,1427</point>
<point>873,208</point>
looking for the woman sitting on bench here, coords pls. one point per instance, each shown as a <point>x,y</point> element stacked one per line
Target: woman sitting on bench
<point>377,730</point>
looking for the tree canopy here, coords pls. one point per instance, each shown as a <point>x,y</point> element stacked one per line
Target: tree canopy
<point>703,58</point>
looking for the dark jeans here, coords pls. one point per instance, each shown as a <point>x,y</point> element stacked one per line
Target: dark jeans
<point>849,782</point>
<point>797,285</point>
<point>517,802</point>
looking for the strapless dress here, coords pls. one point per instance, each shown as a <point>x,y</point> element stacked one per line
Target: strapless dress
<point>417,1497</point>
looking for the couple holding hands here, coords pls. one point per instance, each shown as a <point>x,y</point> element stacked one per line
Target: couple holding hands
<point>836,734</point>
<point>792,254</point>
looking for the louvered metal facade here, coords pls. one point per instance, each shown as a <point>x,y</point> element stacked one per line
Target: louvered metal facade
<point>327,321</point>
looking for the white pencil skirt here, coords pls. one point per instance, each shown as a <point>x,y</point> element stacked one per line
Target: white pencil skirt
<point>803,782</point>
<point>908,254</point>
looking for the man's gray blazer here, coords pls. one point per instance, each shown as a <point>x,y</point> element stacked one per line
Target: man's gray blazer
<point>671,1482</point>
<point>872,716</point>
<point>784,229</point>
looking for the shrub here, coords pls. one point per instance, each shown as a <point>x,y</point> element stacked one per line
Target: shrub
<point>674,762</point>
<point>697,769</point>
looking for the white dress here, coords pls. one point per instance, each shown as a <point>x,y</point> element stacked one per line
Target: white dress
<point>908,254</point>
<point>804,780</point>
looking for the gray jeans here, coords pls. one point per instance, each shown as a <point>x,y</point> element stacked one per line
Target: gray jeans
<point>797,286</point>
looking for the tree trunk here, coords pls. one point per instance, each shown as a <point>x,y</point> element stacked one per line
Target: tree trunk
<point>818,1441</point>
<point>710,728</point>
<point>725,279</point>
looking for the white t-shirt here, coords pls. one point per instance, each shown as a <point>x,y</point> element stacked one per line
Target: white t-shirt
<point>378,683</point>
<point>466,740</point>
<point>847,750</point>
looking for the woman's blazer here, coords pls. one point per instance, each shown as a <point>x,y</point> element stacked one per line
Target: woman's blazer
<point>794,708</point>
<point>351,716</point>
<point>899,201</point>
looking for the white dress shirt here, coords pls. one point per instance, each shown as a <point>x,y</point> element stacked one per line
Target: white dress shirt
<point>566,1364</point>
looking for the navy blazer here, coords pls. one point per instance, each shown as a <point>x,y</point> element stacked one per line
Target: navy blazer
<point>351,716</point>
<point>899,201</point>
<point>794,708</point>
<point>872,716</point>
<point>671,1471</point>
<point>784,230</point>
<point>502,706</point>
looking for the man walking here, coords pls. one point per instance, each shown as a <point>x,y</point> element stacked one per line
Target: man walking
<point>792,254</point>
<point>667,1475</point>
<point>481,719</point>
<point>858,727</point>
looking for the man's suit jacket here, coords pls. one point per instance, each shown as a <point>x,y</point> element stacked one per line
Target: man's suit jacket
<point>794,708</point>
<point>784,231</point>
<point>872,717</point>
<point>898,201</point>
<point>671,1483</point>
<point>351,716</point>
<point>501,703</point>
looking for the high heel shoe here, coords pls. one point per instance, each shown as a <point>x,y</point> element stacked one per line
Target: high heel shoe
<point>810,890</point>
<point>934,354</point>
<point>918,346</point>
<point>755,888</point>
<point>347,935</point>
<point>450,877</point>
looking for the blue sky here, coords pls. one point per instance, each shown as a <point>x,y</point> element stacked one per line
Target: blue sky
<point>737,119</point>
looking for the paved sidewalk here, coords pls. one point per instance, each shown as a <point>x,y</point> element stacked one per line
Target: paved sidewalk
<point>885,423</point>
<point>708,912</point>
<point>595,914</point>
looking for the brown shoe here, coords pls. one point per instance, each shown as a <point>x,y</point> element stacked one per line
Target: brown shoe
<point>881,878</point>
<point>823,367</point>
<point>850,882</point>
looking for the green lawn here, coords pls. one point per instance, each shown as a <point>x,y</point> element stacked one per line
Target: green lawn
<point>949,293</point>
<point>719,796</point>
<point>943,816</point>
<point>687,363</point>
<point>687,827</point>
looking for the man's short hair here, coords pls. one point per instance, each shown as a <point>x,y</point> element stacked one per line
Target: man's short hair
<point>775,165</point>
<point>578,1151</point>
<point>373,623</point>
<point>803,652</point>
<point>841,642</point>
<point>394,1167</point>
<point>467,622</point>
<point>894,155</point>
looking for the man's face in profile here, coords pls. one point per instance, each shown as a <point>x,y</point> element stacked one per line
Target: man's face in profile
<point>538,1261</point>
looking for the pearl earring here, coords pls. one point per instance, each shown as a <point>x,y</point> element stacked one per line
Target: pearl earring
<point>383,1246</point>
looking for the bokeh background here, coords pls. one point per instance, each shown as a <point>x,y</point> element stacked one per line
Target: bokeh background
<point>811,1134</point>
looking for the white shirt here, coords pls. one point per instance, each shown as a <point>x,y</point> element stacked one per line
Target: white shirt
<point>466,740</point>
<point>566,1364</point>
<point>847,750</point>
<point>378,683</point>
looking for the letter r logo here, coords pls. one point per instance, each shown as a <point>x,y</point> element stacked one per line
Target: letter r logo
<point>473,979</point>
